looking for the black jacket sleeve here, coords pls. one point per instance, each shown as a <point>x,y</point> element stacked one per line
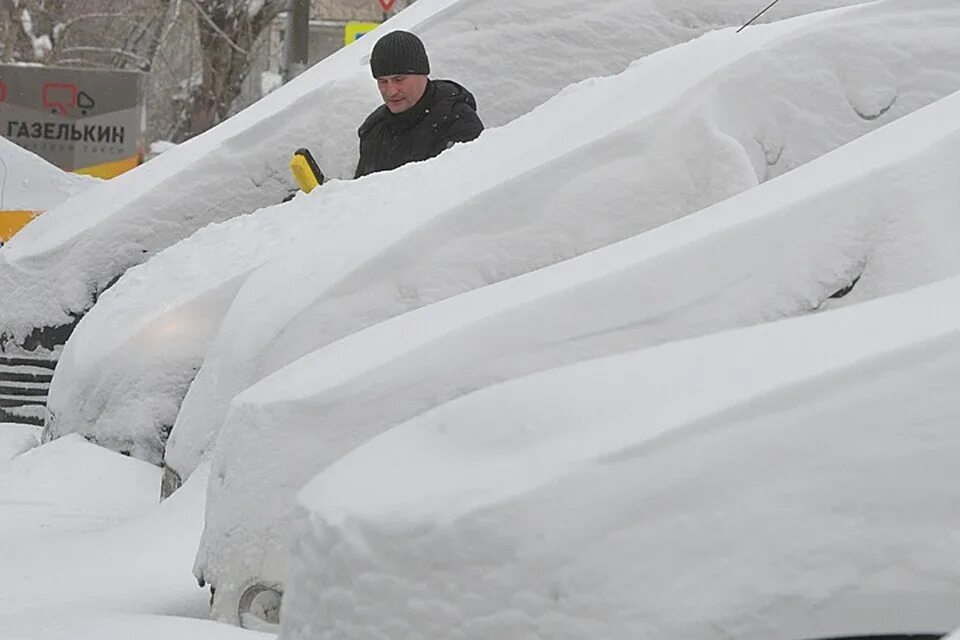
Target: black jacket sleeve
<point>367,163</point>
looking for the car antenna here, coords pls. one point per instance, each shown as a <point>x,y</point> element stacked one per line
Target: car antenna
<point>754,18</point>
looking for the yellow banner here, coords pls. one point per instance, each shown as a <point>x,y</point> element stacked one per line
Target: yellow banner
<point>13,221</point>
<point>110,169</point>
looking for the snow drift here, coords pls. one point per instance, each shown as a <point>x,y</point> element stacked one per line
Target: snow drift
<point>16,439</point>
<point>789,247</point>
<point>72,625</point>
<point>752,478</point>
<point>681,129</point>
<point>119,339</point>
<point>53,273</point>
<point>86,535</point>
<point>755,548</point>
<point>28,182</point>
<point>69,487</point>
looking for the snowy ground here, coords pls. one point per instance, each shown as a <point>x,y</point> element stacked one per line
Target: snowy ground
<point>16,439</point>
<point>119,626</point>
<point>86,550</point>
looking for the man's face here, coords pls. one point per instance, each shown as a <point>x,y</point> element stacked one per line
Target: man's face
<point>401,92</point>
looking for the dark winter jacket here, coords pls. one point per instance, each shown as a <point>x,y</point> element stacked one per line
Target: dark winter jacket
<point>446,114</point>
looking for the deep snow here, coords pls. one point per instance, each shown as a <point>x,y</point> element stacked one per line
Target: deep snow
<point>54,272</point>
<point>85,551</point>
<point>81,625</point>
<point>89,535</point>
<point>30,183</point>
<point>119,339</point>
<point>68,487</point>
<point>16,439</point>
<point>778,250</point>
<point>681,130</point>
<point>797,425</point>
<point>752,478</point>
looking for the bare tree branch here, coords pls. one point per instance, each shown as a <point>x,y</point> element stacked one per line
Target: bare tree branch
<point>213,25</point>
<point>79,62</point>
<point>117,51</point>
<point>172,17</point>
<point>64,26</point>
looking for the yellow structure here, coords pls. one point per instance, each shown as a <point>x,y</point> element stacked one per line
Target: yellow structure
<point>13,221</point>
<point>111,169</point>
<point>356,30</point>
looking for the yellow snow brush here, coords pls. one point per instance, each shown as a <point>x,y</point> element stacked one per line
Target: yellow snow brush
<point>304,168</point>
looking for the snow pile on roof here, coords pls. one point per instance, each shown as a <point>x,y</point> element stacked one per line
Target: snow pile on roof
<point>527,195</point>
<point>54,271</point>
<point>753,476</point>
<point>781,249</point>
<point>30,183</point>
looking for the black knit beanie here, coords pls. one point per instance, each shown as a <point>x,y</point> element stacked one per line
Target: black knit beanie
<point>399,53</point>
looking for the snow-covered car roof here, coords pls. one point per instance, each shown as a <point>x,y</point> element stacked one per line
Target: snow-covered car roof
<point>30,183</point>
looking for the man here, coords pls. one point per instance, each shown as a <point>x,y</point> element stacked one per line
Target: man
<point>420,117</point>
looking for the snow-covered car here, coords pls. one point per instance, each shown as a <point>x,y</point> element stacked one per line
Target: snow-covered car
<point>743,484</point>
<point>29,185</point>
<point>75,252</point>
<point>873,218</point>
<point>122,379</point>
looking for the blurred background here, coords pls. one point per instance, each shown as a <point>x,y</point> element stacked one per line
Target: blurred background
<point>196,62</point>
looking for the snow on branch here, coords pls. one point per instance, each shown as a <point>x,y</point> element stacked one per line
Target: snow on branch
<point>111,50</point>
